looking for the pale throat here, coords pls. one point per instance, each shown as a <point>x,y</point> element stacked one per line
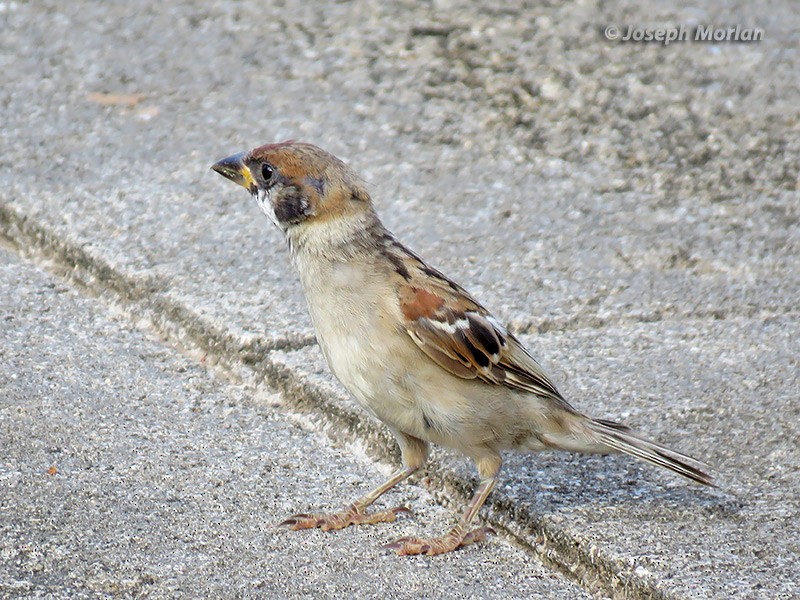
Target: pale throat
<point>336,239</point>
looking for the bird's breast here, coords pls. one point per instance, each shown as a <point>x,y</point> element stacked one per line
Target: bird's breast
<point>353,319</point>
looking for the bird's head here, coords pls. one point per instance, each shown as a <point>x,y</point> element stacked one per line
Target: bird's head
<point>298,185</point>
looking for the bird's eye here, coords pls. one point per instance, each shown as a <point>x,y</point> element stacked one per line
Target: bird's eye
<point>267,171</point>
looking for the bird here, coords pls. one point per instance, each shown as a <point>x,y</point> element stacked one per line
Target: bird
<point>413,347</point>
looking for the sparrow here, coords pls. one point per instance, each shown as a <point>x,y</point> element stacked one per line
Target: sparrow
<point>413,347</point>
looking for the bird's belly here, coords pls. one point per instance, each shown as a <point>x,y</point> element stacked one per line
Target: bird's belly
<point>410,393</point>
<point>371,361</point>
<point>346,359</point>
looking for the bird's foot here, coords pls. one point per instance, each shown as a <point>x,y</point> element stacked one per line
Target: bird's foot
<point>447,543</point>
<point>351,516</point>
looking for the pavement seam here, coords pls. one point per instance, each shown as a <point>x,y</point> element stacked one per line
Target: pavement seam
<point>149,295</point>
<point>145,298</point>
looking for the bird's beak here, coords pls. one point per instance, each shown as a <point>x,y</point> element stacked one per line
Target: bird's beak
<point>234,169</point>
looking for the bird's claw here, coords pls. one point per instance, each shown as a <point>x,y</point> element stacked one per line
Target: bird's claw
<point>340,520</point>
<point>430,546</point>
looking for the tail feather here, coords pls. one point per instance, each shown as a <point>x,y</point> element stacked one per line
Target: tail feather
<point>620,438</point>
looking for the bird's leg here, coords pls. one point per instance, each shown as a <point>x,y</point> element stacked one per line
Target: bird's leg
<point>355,513</point>
<point>414,452</point>
<point>460,535</point>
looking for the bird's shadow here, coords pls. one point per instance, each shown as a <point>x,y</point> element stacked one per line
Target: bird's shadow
<point>535,487</point>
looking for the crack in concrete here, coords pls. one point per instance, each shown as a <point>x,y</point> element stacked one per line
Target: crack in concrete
<point>147,294</point>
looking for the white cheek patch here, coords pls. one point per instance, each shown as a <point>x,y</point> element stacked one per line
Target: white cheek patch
<point>264,201</point>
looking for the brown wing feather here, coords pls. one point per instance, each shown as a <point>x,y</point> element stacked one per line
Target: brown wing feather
<point>524,372</point>
<point>460,336</point>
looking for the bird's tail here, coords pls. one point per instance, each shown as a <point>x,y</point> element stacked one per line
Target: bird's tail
<point>620,438</point>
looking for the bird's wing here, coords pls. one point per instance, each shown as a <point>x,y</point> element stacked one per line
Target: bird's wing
<point>462,337</point>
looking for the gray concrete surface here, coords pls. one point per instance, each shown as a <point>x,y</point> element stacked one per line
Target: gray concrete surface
<point>129,470</point>
<point>634,205</point>
<point>632,518</point>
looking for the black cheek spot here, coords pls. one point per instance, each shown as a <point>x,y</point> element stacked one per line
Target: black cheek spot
<point>293,207</point>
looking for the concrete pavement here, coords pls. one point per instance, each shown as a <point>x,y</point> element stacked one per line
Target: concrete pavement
<point>631,209</point>
<point>130,470</point>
